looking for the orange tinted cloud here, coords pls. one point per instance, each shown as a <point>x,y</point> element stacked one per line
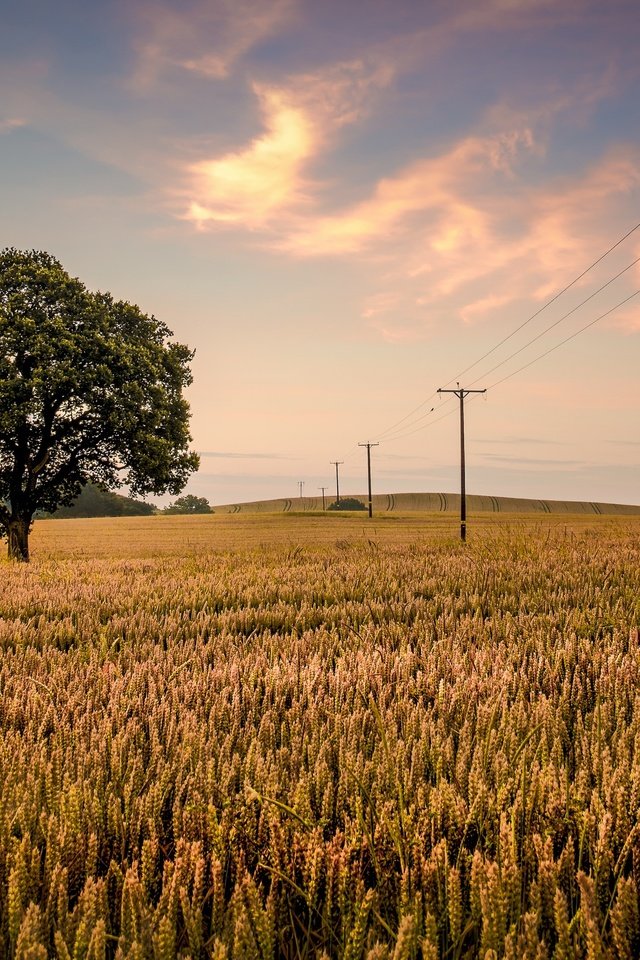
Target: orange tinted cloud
<point>249,185</point>
<point>440,187</point>
<point>531,241</point>
<point>266,180</point>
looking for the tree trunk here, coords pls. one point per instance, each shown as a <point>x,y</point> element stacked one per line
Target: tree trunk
<point>18,539</point>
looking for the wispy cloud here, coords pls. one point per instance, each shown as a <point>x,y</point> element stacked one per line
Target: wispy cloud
<point>433,186</point>
<point>441,227</point>
<point>204,38</point>
<point>227,455</point>
<point>518,440</point>
<point>11,123</point>
<point>266,183</point>
<point>535,461</point>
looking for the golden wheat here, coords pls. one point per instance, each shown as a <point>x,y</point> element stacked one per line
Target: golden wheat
<point>378,749</point>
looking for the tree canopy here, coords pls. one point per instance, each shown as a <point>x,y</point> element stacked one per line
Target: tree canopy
<point>189,504</point>
<point>91,390</point>
<point>94,502</point>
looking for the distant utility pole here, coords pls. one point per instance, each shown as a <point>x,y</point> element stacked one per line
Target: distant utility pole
<point>337,464</point>
<point>323,498</point>
<point>300,487</point>
<point>461,393</point>
<point>368,446</point>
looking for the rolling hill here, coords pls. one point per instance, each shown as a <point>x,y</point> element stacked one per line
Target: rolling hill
<point>439,503</point>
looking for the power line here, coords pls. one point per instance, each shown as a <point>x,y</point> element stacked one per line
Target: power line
<point>556,322</point>
<point>414,427</point>
<point>524,366</point>
<point>566,340</point>
<point>410,433</point>
<point>509,336</point>
<point>549,302</point>
<point>415,410</point>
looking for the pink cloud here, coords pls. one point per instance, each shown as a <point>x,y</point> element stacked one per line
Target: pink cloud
<point>205,38</point>
<point>461,238</point>
<point>11,123</point>
<point>438,187</point>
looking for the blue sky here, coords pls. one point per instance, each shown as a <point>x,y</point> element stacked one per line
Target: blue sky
<point>341,206</point>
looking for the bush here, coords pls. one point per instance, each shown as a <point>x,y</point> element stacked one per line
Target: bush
<point>347,503</point>
<point>189,504</point>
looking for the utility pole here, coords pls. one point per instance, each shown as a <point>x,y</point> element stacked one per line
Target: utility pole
<point>337,464</point>
<point>323,498</point>
<point>368,446</point>
<point>461,393</point>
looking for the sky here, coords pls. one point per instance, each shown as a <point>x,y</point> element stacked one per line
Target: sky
<point>342,206</point>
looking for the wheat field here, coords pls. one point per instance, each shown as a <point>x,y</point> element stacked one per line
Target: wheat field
<point>321,737</point>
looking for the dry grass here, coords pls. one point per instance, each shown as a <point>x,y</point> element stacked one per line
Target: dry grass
<point>262,737</point>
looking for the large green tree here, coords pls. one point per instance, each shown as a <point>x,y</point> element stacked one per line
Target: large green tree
<point>91,389</point>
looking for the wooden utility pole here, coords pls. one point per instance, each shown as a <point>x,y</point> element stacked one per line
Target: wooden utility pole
<point>337,464</point>
<point>461,393</point>
<point>323,499</point>
<point>368,446</point>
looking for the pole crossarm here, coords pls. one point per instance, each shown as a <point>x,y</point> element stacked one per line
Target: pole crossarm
<point>461,393</point>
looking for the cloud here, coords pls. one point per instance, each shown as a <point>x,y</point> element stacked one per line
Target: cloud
<point>518,440</point>
<point>205,38</point>
<point>432,186</point>
<point>225,455</point>
<point>486,243</point>
<point>257,185</point>
<point>536,461</point>
<point>459,232</point>
<point>249,185</point>
<point>11,123</point>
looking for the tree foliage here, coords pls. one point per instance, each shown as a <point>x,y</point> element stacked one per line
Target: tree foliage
<point>94,502</point>
<point>91,389</point>
<point>347,503</point>
<point>189,504</point>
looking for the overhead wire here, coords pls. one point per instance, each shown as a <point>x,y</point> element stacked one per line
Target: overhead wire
<point>556,322</point>
<point>566,340</point>
<point>417,425</point>
<point>530,363</point>
<point>547,304</point>
<point>384,434</point>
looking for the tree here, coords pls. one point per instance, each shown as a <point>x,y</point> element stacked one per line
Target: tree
<point>91,390</point>
<point>94,502</point>
<point>347,503</point>
<point>189,504</point>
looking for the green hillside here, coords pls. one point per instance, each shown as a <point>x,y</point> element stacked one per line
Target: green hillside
<point>94,502</point>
